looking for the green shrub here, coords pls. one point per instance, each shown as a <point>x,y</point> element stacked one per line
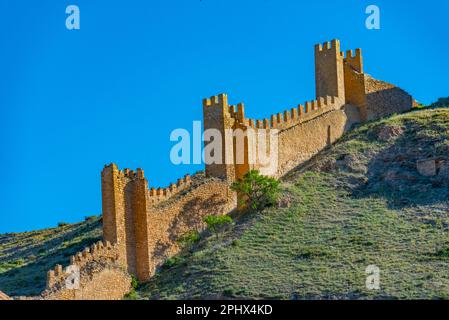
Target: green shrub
<point>217,224</point>
<point>132,295</point>
<point>134,282</point>
<point>188,239</point>
<point>256,190</point>
<point>171,262</point>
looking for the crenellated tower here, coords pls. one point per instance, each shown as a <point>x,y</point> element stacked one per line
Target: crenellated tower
<point>355,82</point>
<point>217,117</point>
<point>125,220</point>
<point>329,72</point>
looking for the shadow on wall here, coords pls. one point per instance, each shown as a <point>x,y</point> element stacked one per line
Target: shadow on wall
<point>383,103</point>
<point>190,217</point>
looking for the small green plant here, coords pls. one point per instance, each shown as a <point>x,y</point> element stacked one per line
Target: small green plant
<point>132,295</point>
<point>217,224</point>
<point>171,262</point>
<point>188,239</point>
<point>134,282</point>
<point>257,191</point>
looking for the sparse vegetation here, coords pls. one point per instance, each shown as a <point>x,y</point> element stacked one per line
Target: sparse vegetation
<point>188,239</point>
<point>217,224</point>
<point>257,191</point>
<point>134,282</point>
<point>171,262</point>
<point>26,257</point>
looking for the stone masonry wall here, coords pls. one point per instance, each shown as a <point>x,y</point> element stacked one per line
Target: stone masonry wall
<point>183,213</point>
<point>94,274</point>
<point>384,99</point>
<point>147,221</point>
<point>300,143</point>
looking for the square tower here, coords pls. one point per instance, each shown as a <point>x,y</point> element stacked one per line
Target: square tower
<point>329,71</point>
<point>218,123</point>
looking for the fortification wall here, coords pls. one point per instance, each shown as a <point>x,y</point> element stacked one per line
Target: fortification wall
<point>298,144</point>
<point>93,274</point>
<point>180,214</point>
<point>145,222</point>
<point>384,99</point>
<point>300,133</point>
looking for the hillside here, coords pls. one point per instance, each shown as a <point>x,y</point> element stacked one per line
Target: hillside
<point>26,257</point>
<point>359,202</point>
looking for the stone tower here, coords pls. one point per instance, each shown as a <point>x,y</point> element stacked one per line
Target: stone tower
<point>218,121</point>
<point>355,84</point>
<point>329,71</point>
<point>125,220</point>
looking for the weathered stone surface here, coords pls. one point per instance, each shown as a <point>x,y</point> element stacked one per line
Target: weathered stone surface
<point>96,273</point>
<point>145,224</point>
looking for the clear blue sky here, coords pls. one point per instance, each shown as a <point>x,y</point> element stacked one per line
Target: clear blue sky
<point>72,101</point>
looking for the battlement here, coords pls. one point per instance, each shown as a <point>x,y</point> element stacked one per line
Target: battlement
<point>329,77</point>
<point>220,100</point>
<point>100,251</point>
<point>155,195</point>
<point>289,117</point>
<point>333,45</point>
<point>354,60</point>
<point>125,173</point>
<point>161,194</point>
